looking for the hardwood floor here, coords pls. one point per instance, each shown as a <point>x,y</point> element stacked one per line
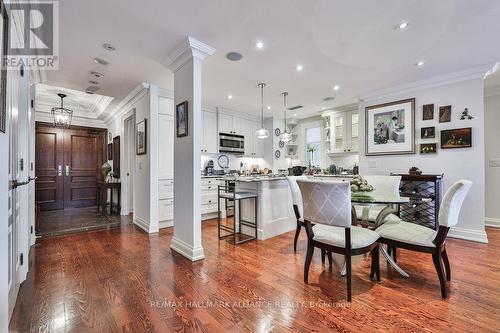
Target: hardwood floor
<point>125,280</point>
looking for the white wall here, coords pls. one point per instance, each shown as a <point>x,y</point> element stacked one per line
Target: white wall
<point>492,146</point>
<point>454,163</point>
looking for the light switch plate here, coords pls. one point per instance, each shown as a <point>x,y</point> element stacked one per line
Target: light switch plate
<point>495,163</point>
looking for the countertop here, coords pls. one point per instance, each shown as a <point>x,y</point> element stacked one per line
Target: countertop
<point>335,176</point>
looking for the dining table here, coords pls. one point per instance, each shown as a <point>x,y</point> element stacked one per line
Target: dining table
<point>392,204</point>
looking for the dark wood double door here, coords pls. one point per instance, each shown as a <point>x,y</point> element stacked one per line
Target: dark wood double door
<point>68,166</point>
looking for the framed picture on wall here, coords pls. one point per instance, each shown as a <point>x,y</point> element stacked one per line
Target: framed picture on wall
<point>390,128</point>
<point>428,148</point>
<point>181,114</point>
<point>110,151</point>
<point>141,138</point>
<point>456,138</point>
<point>428,112</point>
<point>4,38</point>
<point>445,114</point>
<point>428,132</point>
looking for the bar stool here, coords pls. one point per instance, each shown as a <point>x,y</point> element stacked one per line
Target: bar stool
<point>227,193</point>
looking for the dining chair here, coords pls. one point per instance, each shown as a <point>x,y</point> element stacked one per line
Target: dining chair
<point>297,206</point>
<point>328,206</point>
<point>418,238</point>
<point>383,185</point>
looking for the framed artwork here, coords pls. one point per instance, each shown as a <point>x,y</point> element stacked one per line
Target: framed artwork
<point>116,156</point>
<point>141,138</point>
<point>4,44</point>
<point>390,128</point>
<point>428,132</point>
<point>428,148</point>
<point>110,151</point>
<point>428,112</point>
<point>181,113</point>
<point>445,114</point>
<point>456,138</point>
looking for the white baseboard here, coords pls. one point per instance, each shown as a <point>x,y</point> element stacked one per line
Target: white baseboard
<point>166,224</point>
<point>144,225</point>
<point>183,248</point>
<point>468,234</point>
<point>492,222</point>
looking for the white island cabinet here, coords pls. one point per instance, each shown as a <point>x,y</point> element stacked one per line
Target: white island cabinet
<point>275,214</point>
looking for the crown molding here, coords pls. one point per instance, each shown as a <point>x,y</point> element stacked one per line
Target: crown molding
<point>126,103</point>
<point>188,49</point>
<point>46,117</point>
<point>440,80</point>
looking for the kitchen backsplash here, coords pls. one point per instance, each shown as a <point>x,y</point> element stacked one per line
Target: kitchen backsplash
<point>234,161</point>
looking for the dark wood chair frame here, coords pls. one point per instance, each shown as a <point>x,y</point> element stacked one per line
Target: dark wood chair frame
<point>439,255</point>
<point>347,251</point>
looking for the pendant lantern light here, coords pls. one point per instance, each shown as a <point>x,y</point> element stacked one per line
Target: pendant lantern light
<point>262,132</point>
<point>285,136</point>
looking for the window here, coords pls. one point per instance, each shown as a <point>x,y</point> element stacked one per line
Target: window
<point>313,146</point>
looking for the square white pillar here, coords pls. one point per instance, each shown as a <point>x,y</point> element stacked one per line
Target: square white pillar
<point>185,63</point>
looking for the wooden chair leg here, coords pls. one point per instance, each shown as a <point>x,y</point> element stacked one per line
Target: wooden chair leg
<point>309,255</point>
<point>395,254</point>
<point>323,256</point>
<point>330,261</point>
<point>446,264</point>
<point>348,277</point>
<point>375,269</point>
<point>297,232</point>
<point>438,264</point>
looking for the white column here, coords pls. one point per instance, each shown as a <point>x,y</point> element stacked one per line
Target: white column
<point>185,62</point>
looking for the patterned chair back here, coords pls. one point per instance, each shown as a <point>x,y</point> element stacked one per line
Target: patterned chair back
<point>326,202</point>
<point>452,203</point>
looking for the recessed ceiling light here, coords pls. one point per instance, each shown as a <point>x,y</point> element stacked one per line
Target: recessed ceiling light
<point>94,83</point>
<point>234,56</point>
<point>323,108</point>
<point>420,63</point>
<point>402,26</point>
<point>299,68</point>
<point>97,74</point>
<point>108,47</point>
<point>295,115</point>
<point>269,107</point>
<point>259,45</point>
<point>101,61</point>
<point>336,87</point>
<point>91,89</point>
<point>229,96</point>
<point>328,99</point>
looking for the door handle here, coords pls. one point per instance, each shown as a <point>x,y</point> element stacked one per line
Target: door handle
<point>32,178</point>
<point>15,183</point>
<point>67,170</point>
<point>59,170</point>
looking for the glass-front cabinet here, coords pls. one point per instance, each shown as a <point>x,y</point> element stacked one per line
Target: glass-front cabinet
<point>344,133</point>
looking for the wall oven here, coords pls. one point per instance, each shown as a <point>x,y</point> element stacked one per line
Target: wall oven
<point>231,143</point>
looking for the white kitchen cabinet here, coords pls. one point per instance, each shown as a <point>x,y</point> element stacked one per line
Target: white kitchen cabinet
<point>231,124</point>
<point>209,133</point>
<point>344,132</point>
<point>166,128</point>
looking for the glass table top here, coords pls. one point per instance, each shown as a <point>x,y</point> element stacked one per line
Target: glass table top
<point>374,198</point>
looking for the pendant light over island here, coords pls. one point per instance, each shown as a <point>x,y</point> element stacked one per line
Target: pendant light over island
<point>262,132</point>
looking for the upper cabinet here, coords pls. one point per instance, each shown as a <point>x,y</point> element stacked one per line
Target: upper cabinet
<point>166,130</point>
<point>344,132</point>
<point>209,132</point>
<point>231,124</point>
<point>234,124</point>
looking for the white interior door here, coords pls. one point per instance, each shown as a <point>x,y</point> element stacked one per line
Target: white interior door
<point>130,157</point>
<point>14,206</point>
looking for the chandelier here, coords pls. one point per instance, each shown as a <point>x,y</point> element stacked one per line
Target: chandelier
<point>61,117</point>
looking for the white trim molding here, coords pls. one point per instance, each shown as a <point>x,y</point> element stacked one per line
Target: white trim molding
<point>126,104</point>
<point>187,250</point>
<point>45,117</point>
<point>436,81</point>
<point>141,224</point>
<point>492,222</point>
<point>189,48</point>
<point>468,234</point>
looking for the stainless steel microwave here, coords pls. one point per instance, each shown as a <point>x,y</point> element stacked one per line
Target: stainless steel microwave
<point>231,143</point>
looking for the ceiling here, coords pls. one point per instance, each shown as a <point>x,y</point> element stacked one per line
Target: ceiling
<point>350,43</point>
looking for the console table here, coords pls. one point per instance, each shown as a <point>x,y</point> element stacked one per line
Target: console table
<point>426,187</point>
<point>102,188</point>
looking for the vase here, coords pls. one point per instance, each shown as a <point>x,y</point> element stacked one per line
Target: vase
<point>105,169</point>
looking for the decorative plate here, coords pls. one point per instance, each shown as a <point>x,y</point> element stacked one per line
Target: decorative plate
<point>277,153</point>
<point>277,132</point>
<point>282,144</point>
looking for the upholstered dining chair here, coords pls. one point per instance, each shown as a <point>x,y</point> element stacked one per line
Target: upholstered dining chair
<point>383,185</point>
<point>297,206</point>
<point>422,239</point>
<point>328,206</point>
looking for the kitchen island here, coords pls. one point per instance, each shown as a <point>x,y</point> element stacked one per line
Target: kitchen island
<point>275,214</point>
